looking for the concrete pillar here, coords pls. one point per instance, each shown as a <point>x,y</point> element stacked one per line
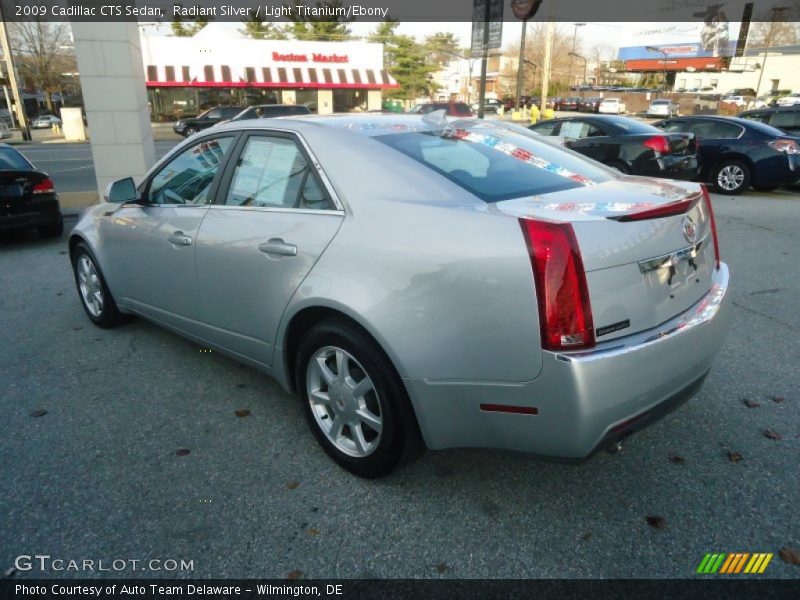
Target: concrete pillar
<point>374,100</point>
<point>325,102</point>
<point>112,78</point>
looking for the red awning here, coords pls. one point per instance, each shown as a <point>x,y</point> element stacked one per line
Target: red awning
<point>269,77</point>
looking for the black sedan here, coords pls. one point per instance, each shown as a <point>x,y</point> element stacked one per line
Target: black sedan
<point>736,153</point>
<point>269,111</point>
<point>188,126</point>
<point>591,105</point>
<point>571,103</point>
<point>28,198</point>
<point>627,145</point>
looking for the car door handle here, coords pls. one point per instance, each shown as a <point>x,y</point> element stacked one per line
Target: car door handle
<point>278,247</point>
<point>180,239</point>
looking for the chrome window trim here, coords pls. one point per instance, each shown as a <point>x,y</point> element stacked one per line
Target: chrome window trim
<point>280,209</point>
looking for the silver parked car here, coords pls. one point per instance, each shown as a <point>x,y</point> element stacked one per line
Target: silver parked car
<point>419,282</point>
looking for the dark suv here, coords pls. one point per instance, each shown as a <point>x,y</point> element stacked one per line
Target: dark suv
<point>268,111</point>
<point>787,119</point>
<point>191,125</point>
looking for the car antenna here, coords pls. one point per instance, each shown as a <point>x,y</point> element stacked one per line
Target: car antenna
<point>437,121</point>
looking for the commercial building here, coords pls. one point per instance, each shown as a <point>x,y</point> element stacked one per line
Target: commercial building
<point>185,75</point>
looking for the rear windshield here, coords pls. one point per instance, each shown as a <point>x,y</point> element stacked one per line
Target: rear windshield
<point>11,160</point>
<point>496,164</point>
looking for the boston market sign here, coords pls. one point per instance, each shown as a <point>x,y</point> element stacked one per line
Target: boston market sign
<point>315,57</point>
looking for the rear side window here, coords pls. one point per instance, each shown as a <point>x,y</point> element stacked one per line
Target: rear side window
<point>545,127</point>
<point>273,172</point>
<point>10,159</point>
<point>497,165</point>
<point>576,130</point>
<point>717,130</point>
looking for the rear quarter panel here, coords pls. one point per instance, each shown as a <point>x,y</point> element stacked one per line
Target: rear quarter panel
<point>442,281</point>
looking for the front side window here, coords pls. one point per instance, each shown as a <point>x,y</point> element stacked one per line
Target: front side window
<point>187,178</point>
<point>273,172</point>
<point>545,128</point>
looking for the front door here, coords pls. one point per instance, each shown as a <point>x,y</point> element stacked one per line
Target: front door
<point>151,247</point>
<point>273,220</point>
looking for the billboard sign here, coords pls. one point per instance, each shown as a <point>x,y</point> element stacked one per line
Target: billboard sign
<point>712,63</point>
<point>479,25</point>
<point>676,50</point>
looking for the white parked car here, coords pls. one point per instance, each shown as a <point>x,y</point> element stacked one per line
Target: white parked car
<point>612,106</point>
<point>45,122</point>
<point>5,132</point>
<point>790,100</point>
<point>662,108</point>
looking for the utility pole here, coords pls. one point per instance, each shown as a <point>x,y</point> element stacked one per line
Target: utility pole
<point>548,46</point>
<point>775,12</point>
<point>520,66</point>
<point>484,59</point>
<point>572,52</point>
<point>12,79</point>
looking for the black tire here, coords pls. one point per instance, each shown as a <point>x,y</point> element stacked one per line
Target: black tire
<point>399,441</point>
<point>766,188</point>
<point>108,315</point>
<point>51,231</point>
<point>737,166</point>
<point>189,131</point>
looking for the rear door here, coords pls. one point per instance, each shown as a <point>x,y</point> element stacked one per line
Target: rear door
<point>151,249</point>
<point>273,219</point>
<point>590,139</point>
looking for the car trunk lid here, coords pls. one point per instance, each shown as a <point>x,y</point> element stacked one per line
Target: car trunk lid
<point>648,251</point>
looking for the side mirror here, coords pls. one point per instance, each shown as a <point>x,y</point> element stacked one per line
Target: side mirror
<point>121,191</point>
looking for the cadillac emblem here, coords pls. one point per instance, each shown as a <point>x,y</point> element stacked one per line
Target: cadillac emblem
<point>689,230</point>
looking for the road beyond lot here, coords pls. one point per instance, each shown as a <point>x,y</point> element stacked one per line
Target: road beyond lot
<point>98,476</point>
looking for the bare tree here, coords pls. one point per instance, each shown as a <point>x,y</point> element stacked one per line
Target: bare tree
<point>41,56</point>
<point>769,35</point>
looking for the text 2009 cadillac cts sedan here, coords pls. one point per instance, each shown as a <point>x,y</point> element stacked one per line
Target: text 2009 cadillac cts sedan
<point>419,282</point>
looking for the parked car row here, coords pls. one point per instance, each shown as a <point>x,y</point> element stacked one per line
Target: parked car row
<point>730,153</point>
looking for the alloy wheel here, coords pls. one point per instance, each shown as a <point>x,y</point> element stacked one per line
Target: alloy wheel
<point>730,177</point>
<point>90,286</point>
<point>344,401</point>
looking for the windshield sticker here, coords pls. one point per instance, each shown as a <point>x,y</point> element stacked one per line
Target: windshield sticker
<point>521,154</point>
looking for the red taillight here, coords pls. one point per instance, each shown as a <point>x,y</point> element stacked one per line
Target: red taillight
<point>565,314</point>
<point>707,200</point>
<point>45,186</point>
<point>658,143</point>
<point>783,145</point>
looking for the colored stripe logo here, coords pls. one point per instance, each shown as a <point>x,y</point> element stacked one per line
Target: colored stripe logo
<point>733,563</point>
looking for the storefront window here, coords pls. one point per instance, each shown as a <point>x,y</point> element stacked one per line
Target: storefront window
<point>349,100</point>
<point>307,98</point>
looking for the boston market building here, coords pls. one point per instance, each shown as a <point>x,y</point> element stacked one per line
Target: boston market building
<point>186,75</point>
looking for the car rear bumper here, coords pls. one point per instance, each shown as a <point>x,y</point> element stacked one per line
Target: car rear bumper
<point>584,401</point>
<point>35,213</point>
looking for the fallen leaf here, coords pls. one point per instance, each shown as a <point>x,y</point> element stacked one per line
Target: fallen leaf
<point>657,522</point>
<point>292,485</point>
<point>778,399</point>
<point>789,555</point>
<point>60,294</point>
<point>314,508</point>
<point>734,456</point>
<point>39,412</point>
<point>183,452</point>
<point>62,252</point>
<point>586,536</point>
<point>312,531</point>
<point>676,459</point>
<point>750,403</point>
<point>78,328</point>
<point>242,413</point>
<point>442,567</point>
<point>296,574</point>
<point>240,385</point>
<point>772,434</point>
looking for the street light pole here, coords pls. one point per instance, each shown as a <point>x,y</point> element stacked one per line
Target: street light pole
<point>576,55</point>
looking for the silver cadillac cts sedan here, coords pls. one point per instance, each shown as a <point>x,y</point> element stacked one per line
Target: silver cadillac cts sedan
<point>419,282</point>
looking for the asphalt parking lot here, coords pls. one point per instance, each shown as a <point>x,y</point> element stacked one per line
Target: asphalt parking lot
<point>99,476</point>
